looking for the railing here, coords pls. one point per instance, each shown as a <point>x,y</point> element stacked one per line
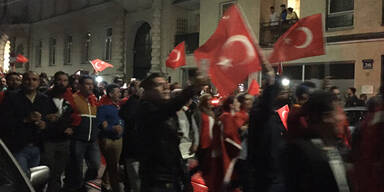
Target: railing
<point>271,31</point>
<point>191,41</point>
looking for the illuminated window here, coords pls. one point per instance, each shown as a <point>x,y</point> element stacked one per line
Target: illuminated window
<point>108,45</point>
<point>68,50</point>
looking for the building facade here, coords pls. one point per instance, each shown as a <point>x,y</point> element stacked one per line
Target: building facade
<point>137,36</point>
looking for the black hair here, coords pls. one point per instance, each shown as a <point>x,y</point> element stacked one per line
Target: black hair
<point>306,87</point>
<point>228,101</point>
<point>353,90</point>
<point>83,78</point>
<point>290,9</point>
<point>241,98</point>
<point>272,7</point>
<point>319,103</point>
<point>333,88</point>
<point>30,72</point>
<point>117,79</point>
<point>8,75</point>
<point>148,82</point>
<point>282,5</point>
<point>111,87</point>
<point>57,74</point>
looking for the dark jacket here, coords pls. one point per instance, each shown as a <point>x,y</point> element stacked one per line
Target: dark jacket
<point>55,131</point>
<point>161,160</point>
<point>266,141</point>
<point>352,101</point>
<point>85,109</point>
<point>107,111</point>
<point>307,168</point>
<point>15,108</point>
<point>131,140</point>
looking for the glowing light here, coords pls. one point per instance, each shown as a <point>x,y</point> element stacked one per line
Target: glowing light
<point>99,79</point>
<point>285,82</point>
<point>7,51</point>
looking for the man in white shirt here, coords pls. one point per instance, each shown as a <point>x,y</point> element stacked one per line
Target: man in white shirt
<point>274,17</point>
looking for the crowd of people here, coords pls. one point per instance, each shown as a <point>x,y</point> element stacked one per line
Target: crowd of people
<point>165,136</point>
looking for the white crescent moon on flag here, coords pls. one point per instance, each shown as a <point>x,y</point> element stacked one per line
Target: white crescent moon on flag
<point>177,57</point>
<point>308,39</point>
<point>251,52</point>
<point>283,114</point>
<point>97,65</point>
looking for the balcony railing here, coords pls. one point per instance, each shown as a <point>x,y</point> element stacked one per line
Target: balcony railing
<point>191,41</point>
<point>271,31</point>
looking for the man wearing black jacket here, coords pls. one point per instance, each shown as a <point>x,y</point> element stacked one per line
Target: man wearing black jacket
<point>56,136</point>
<point>23,120</point>
<point>266,141</point>
<point>161,163</point>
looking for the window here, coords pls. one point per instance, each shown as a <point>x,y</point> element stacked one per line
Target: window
<point>86,46</point>
<point>382,12</point>
<point>340,13</point>
<point>52,51</point>
<point>108,45</point>
<point>38,53</point>
<point>68,50</point>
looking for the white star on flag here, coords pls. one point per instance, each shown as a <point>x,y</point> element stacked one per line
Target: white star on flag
<point>225,63</point>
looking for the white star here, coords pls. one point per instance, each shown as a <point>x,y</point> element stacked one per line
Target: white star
<point>287,41</point>
<point>225,63</point>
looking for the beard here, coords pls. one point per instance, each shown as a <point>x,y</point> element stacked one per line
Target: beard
<point>59,90</point>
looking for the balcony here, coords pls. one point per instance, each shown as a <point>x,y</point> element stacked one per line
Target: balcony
<point>271,31</point>
<point>191,41</point>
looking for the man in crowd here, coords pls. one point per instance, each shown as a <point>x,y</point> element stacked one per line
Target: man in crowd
<point>274,17</point>
<point>23,119</point>
<point>336,92</point>
<point>111,142</point>
<point>131,141</point>
<point>284,13</point>
<point>267,136</point>
<point>84,139</point>
<point>13,83</point>
<point>352,100</point>
<point>161,164</point>
<point>56,136</point>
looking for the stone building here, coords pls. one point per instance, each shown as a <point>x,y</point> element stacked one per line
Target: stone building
<point>137,35</point>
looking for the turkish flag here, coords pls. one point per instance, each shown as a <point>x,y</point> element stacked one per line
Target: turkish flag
<point>254,88</point>
<point>100,65</point>
<point>21,59</point>
<point>303,39</point>
<point>230,53</point>
<point>177,57</point>
<point>283,114</point>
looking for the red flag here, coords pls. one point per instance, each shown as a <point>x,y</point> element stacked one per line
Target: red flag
<point>283,113</point>
<point>177,57</point>
<point>230,52</point>
<point>21,59</point>
<point>254,88</point>
<point>303,39</point>
<point>100,65</point>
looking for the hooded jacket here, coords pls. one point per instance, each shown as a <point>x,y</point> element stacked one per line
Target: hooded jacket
<point>85,118</point>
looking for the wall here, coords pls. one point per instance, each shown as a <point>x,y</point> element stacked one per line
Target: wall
<point>354,52</point>
<point>367,15</point>
<point>133,21</point>
<point>77,24</point>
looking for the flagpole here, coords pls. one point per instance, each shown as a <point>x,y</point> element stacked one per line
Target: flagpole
<point>94,70</point>
<point>266,63</point>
